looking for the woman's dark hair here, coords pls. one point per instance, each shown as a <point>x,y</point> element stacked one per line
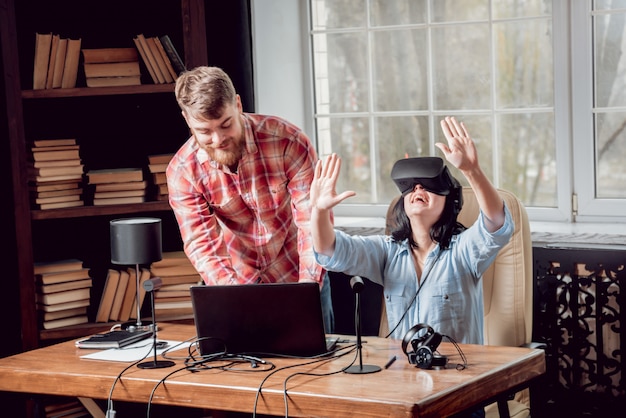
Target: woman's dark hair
<point>441,232</point>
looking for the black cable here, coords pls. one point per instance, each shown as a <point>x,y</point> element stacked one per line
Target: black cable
<point>110,411</point>
<point>285,399</point>
<point>315,359</point>
<point>458,349</point>
<point>159,384</point>
<point>416,293</point>
<point>195,363</point>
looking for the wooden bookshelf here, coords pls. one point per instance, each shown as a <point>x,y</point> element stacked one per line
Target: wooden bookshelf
<point>115,126</point>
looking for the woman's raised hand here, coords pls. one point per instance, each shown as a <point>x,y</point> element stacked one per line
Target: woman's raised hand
<point>323,188</point>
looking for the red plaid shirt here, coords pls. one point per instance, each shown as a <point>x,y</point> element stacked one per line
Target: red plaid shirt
<point>253,225</point>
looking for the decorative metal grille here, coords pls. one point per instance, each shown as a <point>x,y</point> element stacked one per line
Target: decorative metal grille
<point>579,311</point>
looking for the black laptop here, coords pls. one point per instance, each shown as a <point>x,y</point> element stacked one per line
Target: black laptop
<point>267,320</point>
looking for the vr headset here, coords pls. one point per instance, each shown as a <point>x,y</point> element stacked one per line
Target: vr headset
<point>431,173</point>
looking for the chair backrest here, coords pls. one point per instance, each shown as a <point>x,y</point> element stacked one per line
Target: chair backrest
<point>508,283</point>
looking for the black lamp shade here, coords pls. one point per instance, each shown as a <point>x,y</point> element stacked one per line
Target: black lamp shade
<point>135,241</point>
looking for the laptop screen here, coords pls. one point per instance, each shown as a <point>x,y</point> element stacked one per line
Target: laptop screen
<point>271,320</point>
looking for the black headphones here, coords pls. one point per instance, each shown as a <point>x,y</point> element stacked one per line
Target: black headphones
<point>423,347</point>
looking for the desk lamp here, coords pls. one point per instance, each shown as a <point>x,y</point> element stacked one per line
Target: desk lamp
<point>136,241</point>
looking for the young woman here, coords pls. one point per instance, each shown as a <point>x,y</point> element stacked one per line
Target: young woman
<point>430,266</point>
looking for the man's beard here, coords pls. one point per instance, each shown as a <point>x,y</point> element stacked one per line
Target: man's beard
<point>227,158</point>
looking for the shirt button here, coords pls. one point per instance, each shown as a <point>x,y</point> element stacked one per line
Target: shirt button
<point>446,297</point>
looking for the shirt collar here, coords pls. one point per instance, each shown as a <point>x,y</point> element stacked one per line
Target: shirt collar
<point>251,146</point>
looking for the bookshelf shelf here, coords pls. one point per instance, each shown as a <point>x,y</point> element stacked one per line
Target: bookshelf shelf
<point>87,211</point>
<point>97,91</point>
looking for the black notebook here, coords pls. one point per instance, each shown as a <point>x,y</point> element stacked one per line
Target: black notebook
<point>113,339</point>
<point>265,319</point>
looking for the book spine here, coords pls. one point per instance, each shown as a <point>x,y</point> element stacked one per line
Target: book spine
<point>172,53</point>
<point>52,61</point>
<point>154,50</point>
<point>43,44</point>
<point>165,58</point>
<point>151,58</point>
<point>146,61</point>
<point>112,69</point>
<point>59,64</point>
<point>72,55</point>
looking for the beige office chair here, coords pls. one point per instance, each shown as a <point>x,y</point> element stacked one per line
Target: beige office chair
<point>507,287</point>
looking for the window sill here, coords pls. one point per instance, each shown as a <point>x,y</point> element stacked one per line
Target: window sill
<point>544,234</point>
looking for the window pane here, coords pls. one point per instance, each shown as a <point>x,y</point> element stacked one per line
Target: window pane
<point>524,70</point>
<point>460,10</point>
<point>506,9</point>
<point>400,70</point>
<point>610,62</point>
<point>527,163</point>
<point>397,137</point>
<point>349,138</point>
<point>403,12</point>
<point>610,70</point>
<point>609,4</point>
<point>461,67</point>
<point>610,155</point>
<point>341,83</point>
<point>333,14</point>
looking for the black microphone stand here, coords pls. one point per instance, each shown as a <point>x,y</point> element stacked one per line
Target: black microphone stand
<point>357,285</point>
<point>150,286</point>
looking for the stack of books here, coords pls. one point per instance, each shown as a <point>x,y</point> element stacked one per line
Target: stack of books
<point>63,292</point>
<point>56,174</point>
<point>68,408</point>
<point>119,296</point>
<point>114,186</point>
<point>173,299</point>
<point>157,164</point>
<point>111,67</point>
<point>56,61</point>
<point>157,59</point>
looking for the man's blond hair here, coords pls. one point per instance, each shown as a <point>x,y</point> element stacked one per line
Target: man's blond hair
<point>204,92</point>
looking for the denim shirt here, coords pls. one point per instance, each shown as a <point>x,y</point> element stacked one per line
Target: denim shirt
<point>450,298</point>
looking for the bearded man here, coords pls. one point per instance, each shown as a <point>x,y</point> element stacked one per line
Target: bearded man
<point>239,188</point>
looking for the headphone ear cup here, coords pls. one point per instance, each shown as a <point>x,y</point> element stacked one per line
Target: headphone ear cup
<point>424,357</point>
<point>439,361</point>
<point>424,346</point>
<point>433,341</point>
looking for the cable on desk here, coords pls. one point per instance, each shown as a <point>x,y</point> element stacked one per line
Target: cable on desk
<point>110,411</point>
<point>459,366</point>
<point>159,384</point>
<point>285,399</point>
<point>314,359</point>
<point>229,361</point>
<point>195,363</point>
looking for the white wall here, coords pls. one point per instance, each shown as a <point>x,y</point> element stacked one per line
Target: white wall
<point>281,61</point>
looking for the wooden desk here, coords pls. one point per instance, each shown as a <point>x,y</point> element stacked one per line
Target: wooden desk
<point>400,390</point>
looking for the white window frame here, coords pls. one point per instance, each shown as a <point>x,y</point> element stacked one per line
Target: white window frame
<point>576,202</point>
<point>590,208</point>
